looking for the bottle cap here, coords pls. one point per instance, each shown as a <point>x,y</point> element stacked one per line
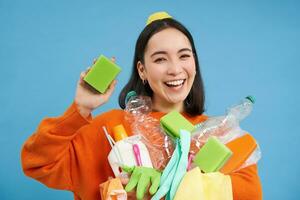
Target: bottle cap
<point>119,132</point>
<point>251,98</point>
<point>129,95</point>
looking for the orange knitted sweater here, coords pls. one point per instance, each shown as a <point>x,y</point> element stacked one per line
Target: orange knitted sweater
<point>70,153</point>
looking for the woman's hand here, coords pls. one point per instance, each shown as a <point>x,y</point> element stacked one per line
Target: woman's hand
<point>87,98</point>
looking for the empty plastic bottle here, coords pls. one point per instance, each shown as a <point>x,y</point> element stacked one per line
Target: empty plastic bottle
<point>159,145</point>
<point>243,109</point>
<point>219,126</point>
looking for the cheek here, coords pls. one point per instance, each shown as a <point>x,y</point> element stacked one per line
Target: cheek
<point>155,77</point>
<point>190,68</point>
<point>155,73</point>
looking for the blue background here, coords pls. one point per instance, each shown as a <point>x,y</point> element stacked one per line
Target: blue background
<point>249,47</point>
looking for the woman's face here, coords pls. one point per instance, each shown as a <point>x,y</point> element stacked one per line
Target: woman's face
<point>169,67</point>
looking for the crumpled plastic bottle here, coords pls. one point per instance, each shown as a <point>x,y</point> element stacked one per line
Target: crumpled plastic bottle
<point>159,145</point>
<point>220,126</point>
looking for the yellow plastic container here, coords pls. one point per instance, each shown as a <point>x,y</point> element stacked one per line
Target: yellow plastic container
<point>119,132</point>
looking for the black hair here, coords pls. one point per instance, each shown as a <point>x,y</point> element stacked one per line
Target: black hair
<point>194,102</point>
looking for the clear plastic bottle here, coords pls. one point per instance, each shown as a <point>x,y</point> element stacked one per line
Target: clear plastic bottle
<point>243,109</point>
<point>159,145</point>
<point>138,105</point>
<point>220,126</point>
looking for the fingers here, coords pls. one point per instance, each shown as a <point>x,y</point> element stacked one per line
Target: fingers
<point>84,73</point>
<point>124,180</point>
<point>142,186</point>
<point>141,178</point>
<point>155,184</point>
<point>123,176</point>
<point>135,176</point>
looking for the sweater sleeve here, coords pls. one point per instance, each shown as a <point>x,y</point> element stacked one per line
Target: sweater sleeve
<point>46,154</point>
<point>246,184</point>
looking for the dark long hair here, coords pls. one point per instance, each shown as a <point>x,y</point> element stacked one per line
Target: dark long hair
<point>194,103</point>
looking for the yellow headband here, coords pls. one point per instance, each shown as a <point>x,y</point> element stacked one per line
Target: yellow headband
<point>156,16</point>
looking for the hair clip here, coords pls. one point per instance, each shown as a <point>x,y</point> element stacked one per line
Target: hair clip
<point>157,16</point>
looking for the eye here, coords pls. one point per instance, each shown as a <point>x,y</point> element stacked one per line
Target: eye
<point>185,56</point>
<point>159,60</point>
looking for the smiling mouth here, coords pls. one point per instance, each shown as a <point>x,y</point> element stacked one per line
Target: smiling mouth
<point>175,83</point>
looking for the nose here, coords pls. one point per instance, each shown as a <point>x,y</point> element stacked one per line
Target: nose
<point>175,68</point>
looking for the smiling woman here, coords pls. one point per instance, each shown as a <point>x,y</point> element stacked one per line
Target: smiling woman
<point>70,152</point>
<point>166,68</point>
<point>169,69</point>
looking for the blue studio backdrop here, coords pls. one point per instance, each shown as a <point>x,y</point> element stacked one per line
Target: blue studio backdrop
<point>245,47</point>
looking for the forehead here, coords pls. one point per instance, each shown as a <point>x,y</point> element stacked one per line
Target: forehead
<point>169,39</point>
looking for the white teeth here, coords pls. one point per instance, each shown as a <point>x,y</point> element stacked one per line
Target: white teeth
<point>175,83</point>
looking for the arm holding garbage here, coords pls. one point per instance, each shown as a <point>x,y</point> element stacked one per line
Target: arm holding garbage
<point>49,153</point>
<point>245,181</point>
<point>246,184</point>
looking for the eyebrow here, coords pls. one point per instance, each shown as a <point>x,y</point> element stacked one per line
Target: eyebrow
<point>184,49</point>
<point>164,52</point>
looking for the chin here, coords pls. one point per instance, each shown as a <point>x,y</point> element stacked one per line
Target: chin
<point>176,100</point>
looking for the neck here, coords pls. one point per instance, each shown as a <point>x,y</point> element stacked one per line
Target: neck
<point>166,107</point>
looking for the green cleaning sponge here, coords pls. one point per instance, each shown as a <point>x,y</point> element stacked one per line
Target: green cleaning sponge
<point>212,156</point>
<point>173,122</point>
<point>102,73</point>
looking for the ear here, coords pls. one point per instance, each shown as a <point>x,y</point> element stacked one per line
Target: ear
<point>141,70</point>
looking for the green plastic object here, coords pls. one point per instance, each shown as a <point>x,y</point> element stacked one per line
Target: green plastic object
<point>173,122</point>
<point>130,95</point>
<point>141,178</point>
<point>212,156</point>
<point>102,73</point>
<point>251,98</point>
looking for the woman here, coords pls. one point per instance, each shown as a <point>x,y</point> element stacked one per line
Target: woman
<point>70,152</point>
